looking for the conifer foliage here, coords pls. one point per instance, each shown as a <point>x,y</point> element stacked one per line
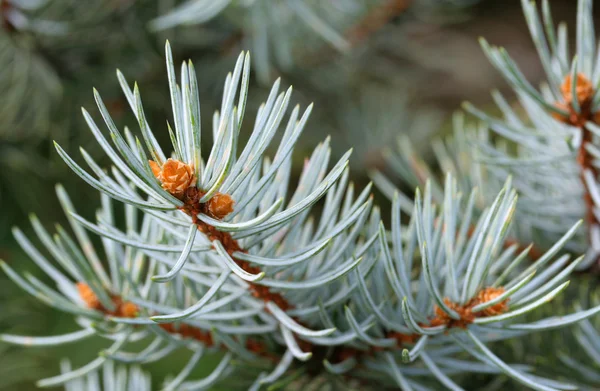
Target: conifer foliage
<point>295,279</point>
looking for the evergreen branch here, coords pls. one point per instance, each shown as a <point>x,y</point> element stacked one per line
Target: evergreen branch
<point>216,255</point>
<point>567,106</point>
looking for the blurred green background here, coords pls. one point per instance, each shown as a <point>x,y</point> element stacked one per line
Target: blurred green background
<point>409,65</point>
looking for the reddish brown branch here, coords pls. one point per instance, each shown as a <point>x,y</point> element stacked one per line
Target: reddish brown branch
<point>127,309</point>
<point>440,318</point>
<point>178,179</point>
<point>221,205</point>
<point>585,93</point>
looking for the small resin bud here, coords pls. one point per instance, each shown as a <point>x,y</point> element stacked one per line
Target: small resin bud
<point>88,296</point>
<point>583,88</point>
<point>465,312</point>
<point>442,318</point>
<point>489,294</point>
<point>220,205</point>
<point>128,310</point>
<point>175,176</point>
<point>585,93</point>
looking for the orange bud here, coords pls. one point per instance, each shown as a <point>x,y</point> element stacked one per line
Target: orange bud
<point>220,205</point>
<point>489,294</point>
<point>584,89</point>
<point>88,296</point>
<point>175,176</point>
<point>128,310</point>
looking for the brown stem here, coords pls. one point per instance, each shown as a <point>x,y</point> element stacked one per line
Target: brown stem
<point>127,309</point>
<point>193,208</point>
<point>584,95</point>
<point>584,159</point>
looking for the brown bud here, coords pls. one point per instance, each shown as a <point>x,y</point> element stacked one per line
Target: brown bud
<point>442,318</point>
<point>175,176</point>
<point>584,89</point>
<point>128,310</point>
<point>88,296</point>
<point>489,294</point>
<point>220,205</point>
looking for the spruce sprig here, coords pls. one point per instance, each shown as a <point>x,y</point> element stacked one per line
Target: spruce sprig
<point>218,254</point>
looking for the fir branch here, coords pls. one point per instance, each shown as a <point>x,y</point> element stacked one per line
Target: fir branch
<point>216,255</point>
<point>567,105</point>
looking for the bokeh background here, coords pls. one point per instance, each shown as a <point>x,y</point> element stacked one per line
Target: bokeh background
<point>375,69</point>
